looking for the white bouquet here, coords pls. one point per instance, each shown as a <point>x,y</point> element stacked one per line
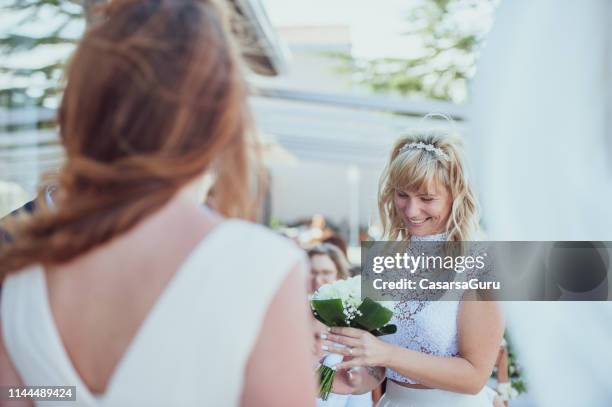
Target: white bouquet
<point>340,304</point>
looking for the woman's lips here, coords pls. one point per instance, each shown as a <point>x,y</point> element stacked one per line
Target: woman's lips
<point>417,223</point>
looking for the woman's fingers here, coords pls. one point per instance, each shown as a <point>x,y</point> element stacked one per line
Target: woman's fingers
<point>320,329</point>
<point>350,332</point>
<point>348,364</point>
<point>322,334</point>
<point>333,347</point>
<point>344,340</point>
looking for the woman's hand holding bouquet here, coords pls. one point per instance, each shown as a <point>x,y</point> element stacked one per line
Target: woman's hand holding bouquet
<point>339,305</point>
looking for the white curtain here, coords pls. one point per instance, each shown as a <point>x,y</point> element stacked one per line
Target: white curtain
<point>541,152</point>
<point>542,144</point>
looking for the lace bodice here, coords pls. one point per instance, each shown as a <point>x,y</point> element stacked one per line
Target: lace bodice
<point>425,326</point>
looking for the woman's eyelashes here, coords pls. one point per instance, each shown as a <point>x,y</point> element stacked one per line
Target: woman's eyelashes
<point>424,197</point>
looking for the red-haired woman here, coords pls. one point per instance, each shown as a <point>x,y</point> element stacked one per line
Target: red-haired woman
<point>128,288</point>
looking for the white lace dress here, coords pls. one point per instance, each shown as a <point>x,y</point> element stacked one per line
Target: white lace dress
<point>429,327</point>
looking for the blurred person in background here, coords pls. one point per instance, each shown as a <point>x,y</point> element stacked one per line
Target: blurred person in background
<point>327,265</point>
<point>24,209</point>
<point>116,288</point>
<point>339,242</point>
<point>12,196</point>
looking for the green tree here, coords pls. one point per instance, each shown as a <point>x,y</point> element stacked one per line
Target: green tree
<point>40,34</point>
<point>444,35</point>
<point>35,43</point>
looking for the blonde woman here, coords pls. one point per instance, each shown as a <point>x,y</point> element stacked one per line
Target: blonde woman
<point>443,352</point>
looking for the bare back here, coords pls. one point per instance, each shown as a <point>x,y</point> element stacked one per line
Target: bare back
<point>106,322</point>
<point>100,300</point>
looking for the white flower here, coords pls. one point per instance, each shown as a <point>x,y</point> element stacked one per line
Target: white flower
<point>327,292</point>
<point>349,291</point>
<point>506,391</point>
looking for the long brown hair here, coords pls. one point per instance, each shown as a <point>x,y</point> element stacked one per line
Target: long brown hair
<point>154,97</point>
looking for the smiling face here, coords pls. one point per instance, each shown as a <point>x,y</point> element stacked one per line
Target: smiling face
<point>425,191</point>
<point>424,212</point>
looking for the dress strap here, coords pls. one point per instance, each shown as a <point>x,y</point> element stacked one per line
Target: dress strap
<point>29,335</point>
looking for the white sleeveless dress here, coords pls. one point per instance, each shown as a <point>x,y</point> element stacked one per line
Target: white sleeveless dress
<point>193,346</point>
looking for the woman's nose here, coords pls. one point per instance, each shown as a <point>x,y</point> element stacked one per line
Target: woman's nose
<point>411,210</point>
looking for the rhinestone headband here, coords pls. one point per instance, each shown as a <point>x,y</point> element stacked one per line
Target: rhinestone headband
<point>428,147</point>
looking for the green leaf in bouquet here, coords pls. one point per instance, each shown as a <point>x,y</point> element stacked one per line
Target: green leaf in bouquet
<point>373,315</point>
<point>318,317</point>
<point>385,330</point>
<point>330,312</point>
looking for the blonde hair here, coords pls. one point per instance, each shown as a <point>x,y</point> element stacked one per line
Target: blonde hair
<point>414,169</point>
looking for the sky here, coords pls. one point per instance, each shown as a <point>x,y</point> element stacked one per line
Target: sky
<point>375,26</point>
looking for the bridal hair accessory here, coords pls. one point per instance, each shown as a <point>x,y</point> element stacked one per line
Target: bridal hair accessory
<point>427,147</point>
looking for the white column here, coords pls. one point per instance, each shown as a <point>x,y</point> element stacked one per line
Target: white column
<point>353,177</point>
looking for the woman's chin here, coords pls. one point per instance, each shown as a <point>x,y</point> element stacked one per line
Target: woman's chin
<point>419,233</point>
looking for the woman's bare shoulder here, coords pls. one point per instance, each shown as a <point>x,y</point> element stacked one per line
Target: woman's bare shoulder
<point>289,352</point>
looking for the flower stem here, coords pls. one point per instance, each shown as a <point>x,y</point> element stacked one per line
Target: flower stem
<point>326,380</point>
